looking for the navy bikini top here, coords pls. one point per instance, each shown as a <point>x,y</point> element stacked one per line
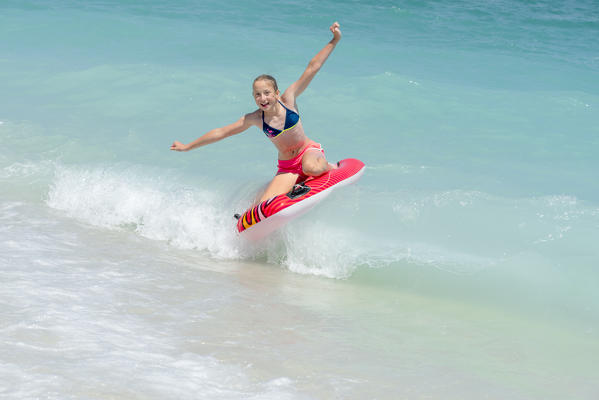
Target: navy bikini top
<point>291,120</point>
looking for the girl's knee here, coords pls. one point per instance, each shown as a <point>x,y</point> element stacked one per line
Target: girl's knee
<point>316,166</point>
<point>280,184</point>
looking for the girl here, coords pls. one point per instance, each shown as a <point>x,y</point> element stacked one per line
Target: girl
<point>277,116</point>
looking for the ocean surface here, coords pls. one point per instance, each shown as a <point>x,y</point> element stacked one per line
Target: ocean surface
<point>463,265</point>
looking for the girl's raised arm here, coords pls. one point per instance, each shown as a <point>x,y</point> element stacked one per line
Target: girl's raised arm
<point>313,67</point>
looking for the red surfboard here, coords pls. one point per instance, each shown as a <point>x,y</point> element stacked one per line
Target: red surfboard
<point>264,218</point>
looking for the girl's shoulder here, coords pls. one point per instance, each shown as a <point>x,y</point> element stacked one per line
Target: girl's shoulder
<point>254,117</point>
<point>287,98</point>
<point>289,102</point>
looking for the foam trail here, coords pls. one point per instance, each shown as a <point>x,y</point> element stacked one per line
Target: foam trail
<point>154,207</point>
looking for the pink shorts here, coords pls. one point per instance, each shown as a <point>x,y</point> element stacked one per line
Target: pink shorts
<point>295,164</point>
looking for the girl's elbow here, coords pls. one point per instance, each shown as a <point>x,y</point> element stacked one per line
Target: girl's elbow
<point>314,66</point>
<point>216,135</point>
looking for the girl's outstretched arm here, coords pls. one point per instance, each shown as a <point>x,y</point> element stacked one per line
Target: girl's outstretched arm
<point>217,134</point>
<point>313,66</point>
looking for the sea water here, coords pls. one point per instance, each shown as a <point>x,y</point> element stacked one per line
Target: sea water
<point>463,265</point>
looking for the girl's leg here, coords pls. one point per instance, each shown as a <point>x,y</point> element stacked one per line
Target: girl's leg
<point>280,184</point>
<point>314,163</point>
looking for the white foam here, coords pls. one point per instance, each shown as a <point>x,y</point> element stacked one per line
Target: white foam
<point>83,322</point>
<point>192,218</point>
<point>318,249</point>
<point>155,208</point>
<point>26,169</point>
<point>159,208</point>
<point>447,230</point>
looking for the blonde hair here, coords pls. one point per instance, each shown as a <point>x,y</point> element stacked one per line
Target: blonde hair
<point>265,77</point>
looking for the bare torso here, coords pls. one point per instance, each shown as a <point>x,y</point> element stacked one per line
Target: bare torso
<point>289,143</point>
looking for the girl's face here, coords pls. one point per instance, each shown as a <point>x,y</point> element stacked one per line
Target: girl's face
<point>265,95</point>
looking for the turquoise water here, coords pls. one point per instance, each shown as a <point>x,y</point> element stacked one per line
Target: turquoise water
<point>462,265</point>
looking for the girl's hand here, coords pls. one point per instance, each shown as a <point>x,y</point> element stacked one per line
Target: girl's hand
<point>178,146</point>
<point>336,32</point>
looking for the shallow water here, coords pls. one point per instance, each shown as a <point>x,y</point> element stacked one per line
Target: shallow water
<point>462,265</point>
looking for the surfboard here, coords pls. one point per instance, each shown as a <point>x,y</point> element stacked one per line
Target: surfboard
<point>269,215</point>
